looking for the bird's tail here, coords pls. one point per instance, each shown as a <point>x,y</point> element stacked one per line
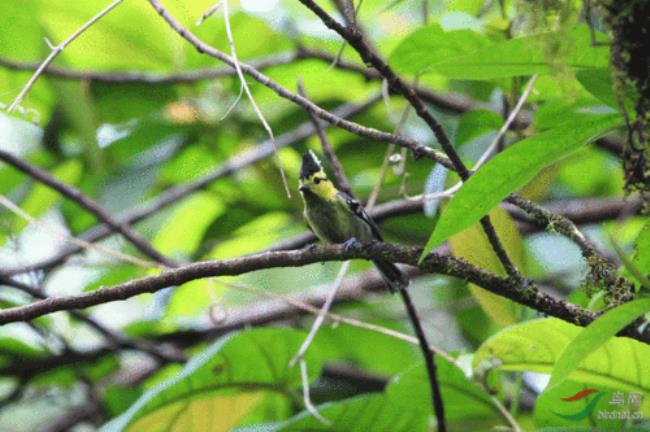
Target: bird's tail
<point>394,278</point>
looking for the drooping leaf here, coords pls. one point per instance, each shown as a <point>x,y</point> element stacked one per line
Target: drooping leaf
<point>220,385</point>
<point>472,245</point>
<point>509,171</point>
<point>537,345</point>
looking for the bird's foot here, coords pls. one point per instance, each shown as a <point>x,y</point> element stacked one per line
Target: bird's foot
<point>350,243</point>
<point>311,247</point>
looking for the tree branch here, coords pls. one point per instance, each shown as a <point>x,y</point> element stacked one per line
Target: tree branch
<point>115,339</point>
<point>354,37</point>
<point>175,194</point>
<point>429,361</point>
<point>619,289</point>
<point>579,211</point>
<point>453,103</point>
<point>416,148</point>
<point>523,292</point>
<point>89,204</point>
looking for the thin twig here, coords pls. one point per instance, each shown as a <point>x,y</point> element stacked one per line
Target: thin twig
<point>89,204</point>
<point>55,51</point>
<point>57,232</point>
<point>113,337</point>
<point>178,193</point>
<point>336,318</point>
<point>350,14</point>
<point>258,112</point>
<point>208,13</point>
<point>486,154</point>
<point>304,376</point>
<point>374,194</point>
<point>505,413</point>
<point>233,104</point>
<point>429,361</point>
<point>511,118</point>
<point>418,149</point>
<point>321,314</point>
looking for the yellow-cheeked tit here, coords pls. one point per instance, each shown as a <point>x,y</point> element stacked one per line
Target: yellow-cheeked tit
<point>336,217</point>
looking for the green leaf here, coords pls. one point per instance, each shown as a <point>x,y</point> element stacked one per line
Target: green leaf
<point>475,123</point>
<point>525,56</point>
<point>509,171</point>
<point>537,345</point>
<point>462,398</point>
<point>183,231</point>
<point>220,385</point>
<point>430,45</point>
<point>553,410</point>
<point>595,335</point>
<point>641,259</point>
<point>359,414</point>
<point>599,83</point>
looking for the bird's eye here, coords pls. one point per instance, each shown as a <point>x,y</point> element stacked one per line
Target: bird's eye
<point>317,180</point>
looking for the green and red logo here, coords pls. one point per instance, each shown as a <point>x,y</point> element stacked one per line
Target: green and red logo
<point>587,410</point>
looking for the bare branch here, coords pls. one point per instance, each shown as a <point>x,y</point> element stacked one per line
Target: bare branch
<point>355,38</point>
<point>83,245</point>
<point>89,204</point>
<point>153,78</point>
<point>175,194</point>
<point>429,361</point>
<point>523,292</point>
<point>114,338</point>
<point>418,149</point>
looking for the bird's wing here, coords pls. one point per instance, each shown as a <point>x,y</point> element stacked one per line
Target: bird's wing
<point>357,209</point>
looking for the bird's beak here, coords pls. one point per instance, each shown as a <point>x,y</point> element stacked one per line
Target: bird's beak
<point>303,188</point>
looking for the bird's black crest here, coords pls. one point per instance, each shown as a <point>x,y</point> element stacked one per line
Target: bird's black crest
<point>310,165</point>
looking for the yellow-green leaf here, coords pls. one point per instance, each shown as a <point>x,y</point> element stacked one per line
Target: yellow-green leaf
<point>473,245</point>
<point>183,231</point>
<point>619,363</point>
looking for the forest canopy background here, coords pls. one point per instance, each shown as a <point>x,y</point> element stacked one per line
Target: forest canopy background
<point>137,167</point>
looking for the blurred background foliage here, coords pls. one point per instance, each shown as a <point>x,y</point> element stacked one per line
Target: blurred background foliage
<point>125,144</point>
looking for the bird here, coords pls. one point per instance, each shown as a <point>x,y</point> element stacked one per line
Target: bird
<point>336,217</point>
